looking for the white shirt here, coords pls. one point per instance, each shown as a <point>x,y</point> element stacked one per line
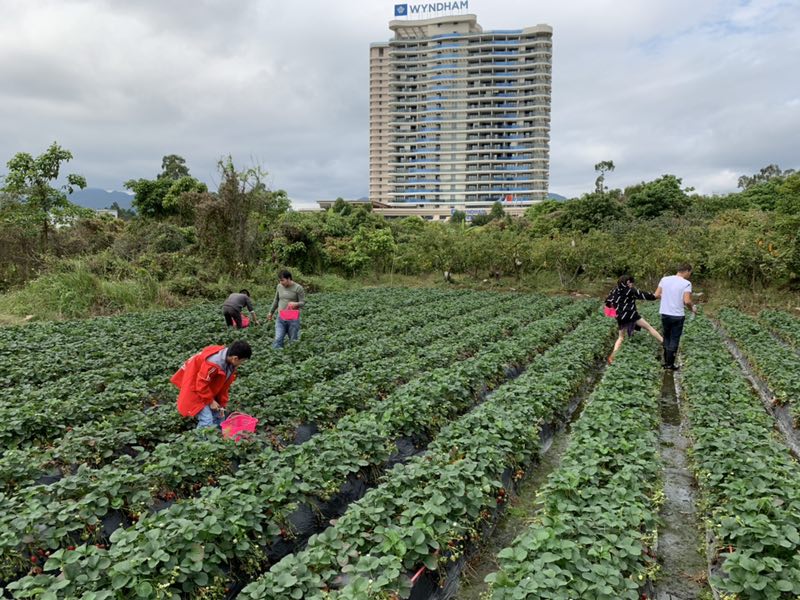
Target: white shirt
<point>672,289</point>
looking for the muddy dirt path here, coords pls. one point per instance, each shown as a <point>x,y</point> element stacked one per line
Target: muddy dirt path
<point>683,566</point>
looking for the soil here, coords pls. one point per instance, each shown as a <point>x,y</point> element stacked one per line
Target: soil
<point>680,539</point>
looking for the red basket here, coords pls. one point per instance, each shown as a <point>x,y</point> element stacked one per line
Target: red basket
<point>289,314</point>
<point>238,424</point>
<point>610,311</point>
<point>245,322</point>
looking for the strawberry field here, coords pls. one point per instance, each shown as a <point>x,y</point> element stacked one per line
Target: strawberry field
<point>391,440</point>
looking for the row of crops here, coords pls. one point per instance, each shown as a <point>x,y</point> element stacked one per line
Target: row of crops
<point>390,441</point>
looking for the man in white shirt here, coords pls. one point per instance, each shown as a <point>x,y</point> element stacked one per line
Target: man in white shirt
<point>675,292</point>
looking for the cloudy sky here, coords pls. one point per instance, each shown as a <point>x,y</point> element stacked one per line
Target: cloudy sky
<point>704,89</point>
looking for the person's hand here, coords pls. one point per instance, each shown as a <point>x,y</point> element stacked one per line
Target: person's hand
<point>291,305</point>
<point>269,317</point>
<point>214,405</point>
<point>694,309</point>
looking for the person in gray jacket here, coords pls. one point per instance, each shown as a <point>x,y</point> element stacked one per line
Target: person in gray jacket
<point>289,296</point>
<point>232,309</point>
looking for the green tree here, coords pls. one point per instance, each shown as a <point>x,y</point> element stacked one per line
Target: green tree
<point>341,207</point>
<point>173,167</point>
<point>788,202</point>
<point>603,167</point>
<point>589,212</point>
<point>544,217</point>
<point>654,198</point>
<point>495,213</point>
<point>377,245</point>
<point>166,195</point>
<point>30,179</point>
<point>459,217</point>
<point>230,223</point>
<point>768,173</point>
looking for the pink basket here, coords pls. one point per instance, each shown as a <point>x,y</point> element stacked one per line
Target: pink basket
<point>610,311</point>
<point>238,424</point>
<point>289,314</point>
<point>245,322</point>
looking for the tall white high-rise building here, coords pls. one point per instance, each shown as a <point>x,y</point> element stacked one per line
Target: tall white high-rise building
<point>459,117</point>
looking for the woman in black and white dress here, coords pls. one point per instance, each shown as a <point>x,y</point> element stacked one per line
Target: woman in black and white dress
<point>623,298</point>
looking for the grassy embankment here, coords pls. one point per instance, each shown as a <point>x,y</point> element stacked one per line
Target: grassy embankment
<point>79,292</point>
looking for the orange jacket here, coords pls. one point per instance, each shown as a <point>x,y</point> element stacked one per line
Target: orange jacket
<point>201,382</point>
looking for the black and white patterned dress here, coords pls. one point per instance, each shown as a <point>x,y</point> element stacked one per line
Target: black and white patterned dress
<point>623,298</point>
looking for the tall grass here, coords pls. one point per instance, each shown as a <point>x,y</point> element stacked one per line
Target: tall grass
<point>77,292</point>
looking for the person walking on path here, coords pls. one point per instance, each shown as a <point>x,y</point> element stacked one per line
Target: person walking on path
<point>623,298</point>
<point>232,309</point>
<point>675,292</point>
<point>289,296</point>
<point>204,381</point>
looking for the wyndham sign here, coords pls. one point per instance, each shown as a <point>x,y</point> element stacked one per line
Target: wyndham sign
<point>429,8</point>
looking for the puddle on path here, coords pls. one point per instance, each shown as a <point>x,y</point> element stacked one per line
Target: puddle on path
<point>683,567</point>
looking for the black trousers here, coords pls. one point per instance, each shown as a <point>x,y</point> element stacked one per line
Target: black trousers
<point>232,316</point>
<point>673,328</point>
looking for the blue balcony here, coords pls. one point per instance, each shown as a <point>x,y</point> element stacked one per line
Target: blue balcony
<point>439,77</point>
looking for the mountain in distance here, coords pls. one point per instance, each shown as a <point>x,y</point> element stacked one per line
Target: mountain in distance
<point>98,198</point>
<point>558,197</point>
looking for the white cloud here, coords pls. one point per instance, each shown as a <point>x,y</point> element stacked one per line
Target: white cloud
<point>701,89</point>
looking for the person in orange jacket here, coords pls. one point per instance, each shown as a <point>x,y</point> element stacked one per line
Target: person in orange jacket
<point>204,381</point>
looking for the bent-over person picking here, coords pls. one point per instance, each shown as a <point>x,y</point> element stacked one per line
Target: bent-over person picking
<point>232,309</point>
<point>204,381</point>
<point>288,296</point>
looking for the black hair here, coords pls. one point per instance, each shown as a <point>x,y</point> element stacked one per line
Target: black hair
<point>625,279</point>
<point>240,349</point>
<point>285,274</point>
<point>245,292</point>
<point>684,268</point>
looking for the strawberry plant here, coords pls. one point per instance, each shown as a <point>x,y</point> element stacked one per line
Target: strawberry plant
<point>784,325</point>
<point>593,534</point>
<point>750,486</point>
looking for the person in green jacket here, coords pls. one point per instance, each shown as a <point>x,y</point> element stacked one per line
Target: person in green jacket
<point>288,296</point>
